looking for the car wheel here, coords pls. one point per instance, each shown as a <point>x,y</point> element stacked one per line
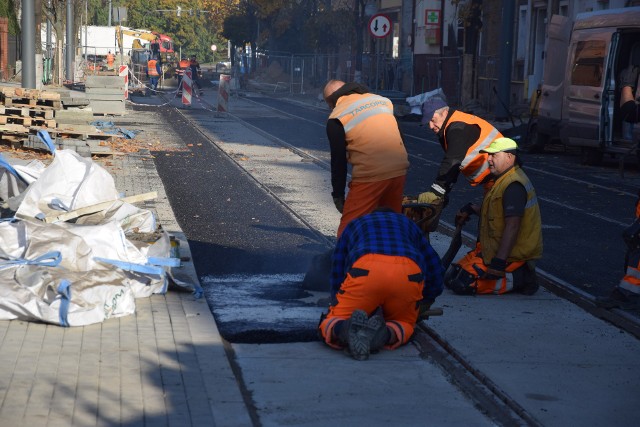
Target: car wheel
<point>536,141</point>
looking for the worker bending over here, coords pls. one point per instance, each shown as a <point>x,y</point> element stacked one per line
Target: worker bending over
<point>384,274</point>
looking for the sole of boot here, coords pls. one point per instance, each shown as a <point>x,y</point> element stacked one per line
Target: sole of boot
<point>377,329</point>
<point>359,345</point>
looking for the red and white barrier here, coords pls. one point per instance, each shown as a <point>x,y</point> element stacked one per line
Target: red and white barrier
<point>223,92</point>
<point>123,71</point>
<point>186,87</point>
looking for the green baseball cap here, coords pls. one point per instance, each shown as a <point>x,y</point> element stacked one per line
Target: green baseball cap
<point>500,144</point>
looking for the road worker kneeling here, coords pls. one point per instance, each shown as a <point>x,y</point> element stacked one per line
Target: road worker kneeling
<point>385,276</point>
<point>510,232</point>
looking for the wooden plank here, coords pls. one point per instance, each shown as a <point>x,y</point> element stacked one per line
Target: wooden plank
<point>20,92</point>
<point>99,207</point>
<point>24,121</point>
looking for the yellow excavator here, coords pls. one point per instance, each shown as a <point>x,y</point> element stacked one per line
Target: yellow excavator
<point>144,44</point>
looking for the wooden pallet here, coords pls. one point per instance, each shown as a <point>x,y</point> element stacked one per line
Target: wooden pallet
<point>28,102</point>
<point>19,92</point>
<point>68,133</point>
<point>14,129</point>
<point>26,112</point>
<point>27,121</point>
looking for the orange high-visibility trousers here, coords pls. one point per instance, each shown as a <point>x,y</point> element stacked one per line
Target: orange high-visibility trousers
<point>472,262</point>
<point>365,197</point>
<point>391,282</point>
<point>631,279</point>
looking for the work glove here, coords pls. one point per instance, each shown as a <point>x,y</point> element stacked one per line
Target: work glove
<point>495,269</point>
<point>423,308</point>
<point>629,77</point>
<point>431,198</point>
<point>464,214</point>
<point>339,202</point>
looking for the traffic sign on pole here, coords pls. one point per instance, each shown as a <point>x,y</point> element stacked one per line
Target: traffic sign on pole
<point>380,25</point>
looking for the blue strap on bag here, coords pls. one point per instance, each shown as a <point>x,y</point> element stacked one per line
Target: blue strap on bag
<point>46,140</point>
<point>133,267</point>
<point>64,289</point>
<point>6,165</point>
<point>50,259</point>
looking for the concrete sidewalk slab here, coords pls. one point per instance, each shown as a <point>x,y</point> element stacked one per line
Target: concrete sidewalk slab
<point>165,365</point>
<point>557,362</point>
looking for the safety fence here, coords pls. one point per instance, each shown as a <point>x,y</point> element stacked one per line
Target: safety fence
<point>411,75</point>
<point>380,72</point>
<point>299,73</point>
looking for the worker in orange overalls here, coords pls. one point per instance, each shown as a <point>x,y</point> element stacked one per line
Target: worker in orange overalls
<point>462,136</point>
<point>363,131</point>
<point>153,72</point>
<point>110,59</point>
<point>384,276</point>
<point>510,232</point>
<point>626,294</point>
<point>182,67</point>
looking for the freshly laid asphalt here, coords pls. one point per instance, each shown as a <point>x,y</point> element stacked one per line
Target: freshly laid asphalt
<point>537,360</point>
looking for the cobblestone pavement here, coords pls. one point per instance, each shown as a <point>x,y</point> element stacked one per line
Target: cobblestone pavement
<point>164,365</point>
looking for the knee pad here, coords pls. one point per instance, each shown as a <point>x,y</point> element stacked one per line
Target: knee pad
<point>450,274</point>
<point>462,282</point>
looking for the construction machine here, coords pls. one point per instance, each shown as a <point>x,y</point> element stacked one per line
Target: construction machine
<point>145,43</point>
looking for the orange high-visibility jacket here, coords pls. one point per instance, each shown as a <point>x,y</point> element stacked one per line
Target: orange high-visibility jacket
<point>474,166</point>
<point>152,68</point>
<point>374,145</point>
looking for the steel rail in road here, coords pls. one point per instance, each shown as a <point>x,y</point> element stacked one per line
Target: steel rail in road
<point>560,287</point>
<point>477,386</point>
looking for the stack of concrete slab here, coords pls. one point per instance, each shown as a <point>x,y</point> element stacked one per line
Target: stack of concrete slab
<point>106,94</point>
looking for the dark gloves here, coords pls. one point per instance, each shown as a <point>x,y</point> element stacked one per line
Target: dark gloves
<point>495,269</point>
<point>423,308</point>
<point>339,202</point>
<point>629,77</point>
<point>464,214</point>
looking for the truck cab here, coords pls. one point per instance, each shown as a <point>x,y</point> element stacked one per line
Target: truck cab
<point>580,95</point>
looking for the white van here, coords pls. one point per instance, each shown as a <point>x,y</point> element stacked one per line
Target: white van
<point>579,99</point>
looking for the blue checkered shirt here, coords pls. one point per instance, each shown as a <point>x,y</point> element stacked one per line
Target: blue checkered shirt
<point>386,233</point>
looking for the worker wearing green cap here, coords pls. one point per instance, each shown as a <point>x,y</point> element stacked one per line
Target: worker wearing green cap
<point>510,233</point>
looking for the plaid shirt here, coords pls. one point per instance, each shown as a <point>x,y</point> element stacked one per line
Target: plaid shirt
<point>386,233</point>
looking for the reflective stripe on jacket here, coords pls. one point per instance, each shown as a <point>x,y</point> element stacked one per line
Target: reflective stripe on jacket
<point>631,279</point>
<point>374,145</point>
<point>529,241</point>
<point>474,166</point>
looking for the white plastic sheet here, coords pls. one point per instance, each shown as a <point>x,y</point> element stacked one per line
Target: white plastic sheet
<point>97,272</point>
<point>415,102</point>
<point>70,182</point>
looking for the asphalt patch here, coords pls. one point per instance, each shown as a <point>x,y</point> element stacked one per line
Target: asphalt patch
<point>260,309</point>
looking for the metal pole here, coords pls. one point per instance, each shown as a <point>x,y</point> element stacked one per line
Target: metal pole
<point>109,12</point>
<point>86,26</point>
<point>28,44</point>
<point>49,29</point>
<point>506,52</point>
<point>70,51</point>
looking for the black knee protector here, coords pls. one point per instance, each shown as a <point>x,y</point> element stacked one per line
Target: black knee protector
<point>461,281</point>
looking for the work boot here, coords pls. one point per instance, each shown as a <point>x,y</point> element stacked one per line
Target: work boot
<point>619,298</point>
<point>380,332</point>
<point>359,344</point>
<point>525,279</point>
